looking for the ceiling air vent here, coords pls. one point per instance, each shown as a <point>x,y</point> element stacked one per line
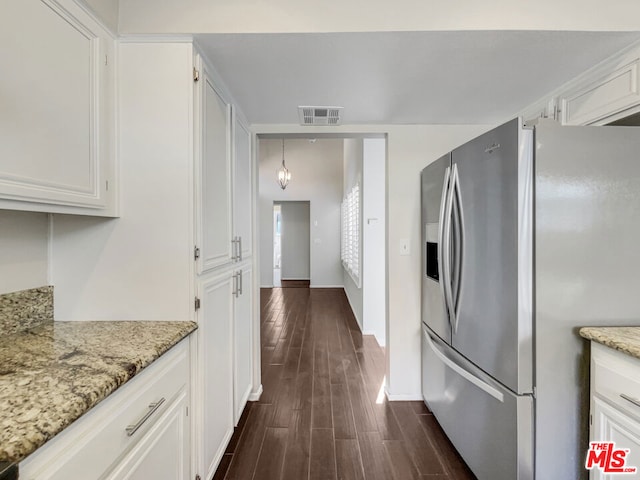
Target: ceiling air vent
<point>320,115</point>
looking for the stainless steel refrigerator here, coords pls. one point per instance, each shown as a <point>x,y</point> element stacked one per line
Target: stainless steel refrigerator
<point>528,233</point>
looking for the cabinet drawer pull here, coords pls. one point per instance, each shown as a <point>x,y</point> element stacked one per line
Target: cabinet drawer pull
<point>630,399</point>
<point>131,429</point>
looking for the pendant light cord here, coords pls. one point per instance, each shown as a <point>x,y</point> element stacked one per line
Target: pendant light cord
<point>283,153</point>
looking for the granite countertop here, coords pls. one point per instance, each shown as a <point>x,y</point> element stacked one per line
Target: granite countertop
<point>623,339</point>
<point>53,373</point>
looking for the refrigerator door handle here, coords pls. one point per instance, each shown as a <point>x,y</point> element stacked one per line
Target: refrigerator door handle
<point>446,249</point>
<point>455,297</point>
<point>443,246</point>
<point>494,392</point>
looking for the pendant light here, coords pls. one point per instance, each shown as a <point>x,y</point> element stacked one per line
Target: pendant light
<point>284,175</point>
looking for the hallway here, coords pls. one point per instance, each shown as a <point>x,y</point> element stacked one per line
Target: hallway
<point>323,414</point>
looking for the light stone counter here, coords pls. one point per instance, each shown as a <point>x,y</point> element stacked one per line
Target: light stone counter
<point>623,339</point>
<point>53,373</point>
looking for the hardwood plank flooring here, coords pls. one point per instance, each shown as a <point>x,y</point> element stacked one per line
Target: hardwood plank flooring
<point>323,414</point>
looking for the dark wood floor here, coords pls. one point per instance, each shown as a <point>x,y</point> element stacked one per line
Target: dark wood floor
<point>322,414</point>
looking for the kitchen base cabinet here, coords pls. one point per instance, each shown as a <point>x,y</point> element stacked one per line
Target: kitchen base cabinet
<point>612,425</point>
<point>98,445</point>
<point>163,453</point>
<point>615,404</point>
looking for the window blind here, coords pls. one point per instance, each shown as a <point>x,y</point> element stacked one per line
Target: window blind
<point>350,248</point>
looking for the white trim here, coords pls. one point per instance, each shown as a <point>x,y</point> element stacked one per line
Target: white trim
<point>266,286</point>
<point>297,279</point>
<point>255,396</point>
<point>353,310</point>
<point>373,334</point>
<point>86,8</point>
<point>402,398</point>
<point>326,286</point>
<point>150,38</point>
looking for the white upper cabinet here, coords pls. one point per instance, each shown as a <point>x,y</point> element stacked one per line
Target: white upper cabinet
<point>610,92</point>
<point>214,210</point>
<point>56,111</point>
<point>605,93</point>
<point>242,188</point>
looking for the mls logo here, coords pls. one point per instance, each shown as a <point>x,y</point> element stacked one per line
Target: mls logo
<point>608,458</point>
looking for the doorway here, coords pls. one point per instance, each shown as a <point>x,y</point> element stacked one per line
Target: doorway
<point>291,244</point>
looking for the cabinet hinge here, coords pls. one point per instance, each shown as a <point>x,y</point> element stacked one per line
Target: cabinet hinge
<point>197,303</point>
<point>196,74</point>
<point>107,185</point>
<point>590,419</point>
<point>196,253</point>
<point>186,411</point>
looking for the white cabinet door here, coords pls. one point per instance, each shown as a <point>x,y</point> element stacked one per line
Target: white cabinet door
<point>56,112</point>
<point>242,187</point>
<point>215,352</point>
<point>163,453</point>
<point>610,93</point>
<point>243,342</point>
<point>612,425</point>
<point>214,174</point>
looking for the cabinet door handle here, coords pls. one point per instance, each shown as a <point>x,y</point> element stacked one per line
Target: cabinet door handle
<point>635,401</point>
<point>234,292</point>
<point>240,277</point>
<point>237,287</point>
<point>131,429</point>
<point>240,253</point>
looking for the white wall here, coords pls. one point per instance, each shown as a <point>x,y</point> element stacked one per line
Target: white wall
<point>352,175</point>
<point>409,149</point>
<point>316,176</point>
<point>295,229</point>
<point>107,11</point>
<point>139,266</point>
<point>23,250</point>
<point>254,16</point>
<point>374,306</point>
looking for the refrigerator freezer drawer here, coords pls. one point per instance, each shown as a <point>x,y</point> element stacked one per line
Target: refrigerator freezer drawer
<point>491,428</point>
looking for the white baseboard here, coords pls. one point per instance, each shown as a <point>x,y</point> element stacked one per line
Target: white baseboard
<point>403,397</point>
<point>326,286</point>
<point>297,279</point>
<point>266,286</point>
<point>373,334</point>
<point>255,396</point>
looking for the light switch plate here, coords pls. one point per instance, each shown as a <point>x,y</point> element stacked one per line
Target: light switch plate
<point>404,247</point>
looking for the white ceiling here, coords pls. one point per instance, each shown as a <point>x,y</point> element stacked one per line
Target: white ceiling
<point>471,77</point>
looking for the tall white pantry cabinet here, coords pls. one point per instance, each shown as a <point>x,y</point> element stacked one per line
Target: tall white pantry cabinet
<point>182,248</point>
